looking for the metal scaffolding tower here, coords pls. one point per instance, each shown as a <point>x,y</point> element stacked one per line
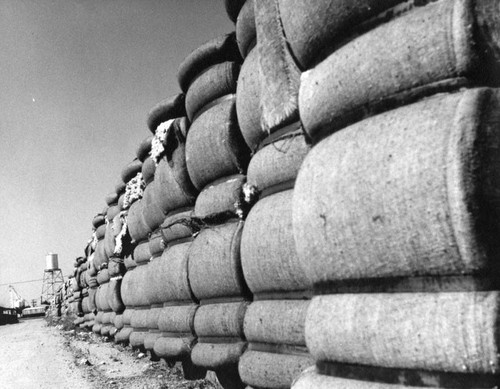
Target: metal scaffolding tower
<point>53,281</point>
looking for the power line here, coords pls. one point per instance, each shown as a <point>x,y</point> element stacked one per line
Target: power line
<point>21,282</point>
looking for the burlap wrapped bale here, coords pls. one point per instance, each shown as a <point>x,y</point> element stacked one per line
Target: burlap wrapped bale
<point>100,256</point>
<point>111,198</point>
<point>410,192</point>
<point>312,29</point>
<point>101,299</point>
<point>139,318</point>
<point>276,322</point>
<point>112,211</point>
<point>173,348</point>
<point>144,148</point>
<point>215,356</point>
<point>309,379</point>
<point>102,276</point>
<point>222,196</point>
<point>248,100</point>
<point>429,45</point>
<point>220,320</point>
<point>214,262</point>
<point>150,339</point>
<point>217,50</point>
<point>123,335</point>
<point>215,147</point>
<point>452,332</point>
<point>153,215</point>
<point>114,295</point>
<point>98,220</point>
<point>268,255</point>
<point>156,243</point>
<point>148,170</point>
<point>136,339</point>
<point>279,75</point>
<point>177,226</point>
<point>137,227</point>
<point>167,276</point>
<point>274,371</point>
<point>170,108</point>
<point>118,322</point>
<point>142,253</point>
<point>100,231</point>
<point>246,33</point>
<point>133,288</point>
<point>177,318</point>
<point>278,163</point>
<point>173,187</point>
<point>131,170</point>
<point>215,82</point>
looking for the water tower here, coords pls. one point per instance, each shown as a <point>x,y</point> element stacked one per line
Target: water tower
<point>53,279</point>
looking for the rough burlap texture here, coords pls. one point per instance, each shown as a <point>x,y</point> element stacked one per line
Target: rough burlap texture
<point>279,75</point>
<point>137,226</point>
<point>410,192</point>
<point>111,198</point>
<point>220,320</point>
<point>217,50</point>
<point>168,275</point>
<point>215,147</point>
<point>246,32</point>
<point>278,162</point>
<point>214,262</point>
<point>167,109</point>
<point>173,188</point>
<point>120,187</point>
<point>131,170</point>
<point>268,255</point>
<point>98,220</point>
<point>148,170</point>
<point>92,293</point>
<point>136,339</point>
<point>142,253</point>
<point>173,348</point>
<point>100,256</point>
<point>102,276</point>
<point>129,262</point>
<point>100,230</point>
<point>248,100</point>
<point>153,316</point>
<point>150,339</point>
<point>123,335</point>
<point>156,243</point>
<point>139,318</point>
<point>177,226</point>
<point>310,379</point>
<point>215,356</point>
<point>101,300</point>
<point>114,295</point>
<point>274,371</point>
<point>177,318</point>
<point>133,289</point>
<point>118,322</point>
<point>214,83</point>
<point>427,45</point>
<point>311,28</point>
<point>143,150</point>
<point>112,211</point>
<point>220,197</point>
<point>153,215</point>
<point>109,240</point>
<point>452,332</point>
<point>277,321</point>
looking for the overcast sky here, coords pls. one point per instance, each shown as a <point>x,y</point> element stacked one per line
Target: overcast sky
<point>77,78</point>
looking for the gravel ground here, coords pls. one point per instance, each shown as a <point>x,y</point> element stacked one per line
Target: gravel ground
<point>36,355</point>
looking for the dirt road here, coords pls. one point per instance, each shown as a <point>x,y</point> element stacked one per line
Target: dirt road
<point>36,356</point>
<point>33,355</point>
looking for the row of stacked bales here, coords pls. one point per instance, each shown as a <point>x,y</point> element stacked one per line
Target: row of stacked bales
<point>318,208</point>
<point>395,210</point>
